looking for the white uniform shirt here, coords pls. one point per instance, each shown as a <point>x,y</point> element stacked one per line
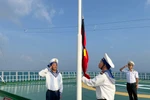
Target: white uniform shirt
<point>131,75</point>
<point>52,83</point>
<point>105,87</point>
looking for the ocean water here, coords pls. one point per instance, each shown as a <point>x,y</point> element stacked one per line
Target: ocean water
<point>13,76</point>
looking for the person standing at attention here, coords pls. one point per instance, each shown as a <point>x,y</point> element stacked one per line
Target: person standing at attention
<point>103,82</point>
<point>132,80</point>
<point>54,82</point>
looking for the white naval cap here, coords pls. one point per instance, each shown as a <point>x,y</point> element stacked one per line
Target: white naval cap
<point>54,60</point>
<point>131,62</point>
<point>108,61</point>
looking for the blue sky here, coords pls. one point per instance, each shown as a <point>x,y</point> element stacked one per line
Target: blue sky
<point>34,31</point>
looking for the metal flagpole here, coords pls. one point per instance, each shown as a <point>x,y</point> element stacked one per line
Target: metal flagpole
<point>79,52</point>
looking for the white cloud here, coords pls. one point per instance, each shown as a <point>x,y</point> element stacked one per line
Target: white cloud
<point>3,39</point>
<point>147,2</point>
<point>26,57</point>
<point>44,61</point>
<point>21,7</point>
<point>126,38</point>
<point>95,27</point>
<point>3,42</point>
<point>111,47</point>
<point>61,12</point>
<point>1,53</point>
<point>42,12</point>
<point>15,9</point>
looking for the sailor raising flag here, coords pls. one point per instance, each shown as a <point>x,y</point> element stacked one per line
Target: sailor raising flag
<point>103,82</point>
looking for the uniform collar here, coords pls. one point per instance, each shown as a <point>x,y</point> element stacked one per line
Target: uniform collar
<point>131,70</point>
<point>54,74</point>
<point>109,73</point>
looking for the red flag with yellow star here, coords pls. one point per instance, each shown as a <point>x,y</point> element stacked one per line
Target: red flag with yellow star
<point>85,57</point>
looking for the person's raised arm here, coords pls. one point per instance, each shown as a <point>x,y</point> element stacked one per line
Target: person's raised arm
<point>121,69</point>
<point>98,80</point>
<point>43,72</point>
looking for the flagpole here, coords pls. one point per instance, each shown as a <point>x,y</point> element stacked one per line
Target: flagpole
<point>79,53</point>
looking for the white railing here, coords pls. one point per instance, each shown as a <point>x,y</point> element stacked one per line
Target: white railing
<point>18,76</point>
<point>2,79</point>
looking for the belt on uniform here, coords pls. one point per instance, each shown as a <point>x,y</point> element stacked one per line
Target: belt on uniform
<point>131,83</point>
<point>101,99</point>
<point>52,90</point>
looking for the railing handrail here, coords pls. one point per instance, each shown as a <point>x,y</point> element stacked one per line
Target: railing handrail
<point>33,75</point>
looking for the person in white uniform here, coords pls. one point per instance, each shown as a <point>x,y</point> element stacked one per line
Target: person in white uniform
<point>54,82</point>
<point>132,80</point>
<point>103,82</point>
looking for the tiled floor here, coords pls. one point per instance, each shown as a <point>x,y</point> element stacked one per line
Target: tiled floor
<point>36,90</point>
